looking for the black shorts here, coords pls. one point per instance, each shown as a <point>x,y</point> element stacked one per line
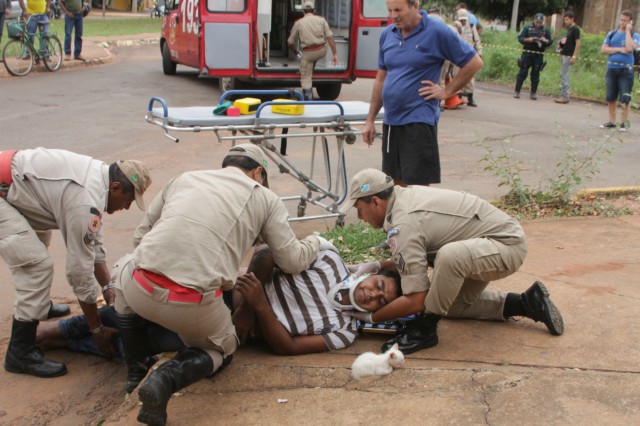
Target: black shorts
<point>410,153</point>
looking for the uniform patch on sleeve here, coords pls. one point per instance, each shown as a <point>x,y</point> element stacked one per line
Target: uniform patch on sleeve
<point>94,224</point>
<point>399,261</point>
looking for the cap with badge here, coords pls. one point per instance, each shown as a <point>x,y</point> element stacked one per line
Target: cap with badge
<point>539,18</point>
<point>139,177</point>
<point>366,182</point>
<point>252,151</point>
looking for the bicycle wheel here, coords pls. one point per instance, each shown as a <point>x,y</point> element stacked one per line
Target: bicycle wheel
<point>17,57</point>
<point>52,54</point>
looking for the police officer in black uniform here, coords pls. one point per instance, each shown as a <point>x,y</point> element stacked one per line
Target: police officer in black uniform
<point>535,38</point>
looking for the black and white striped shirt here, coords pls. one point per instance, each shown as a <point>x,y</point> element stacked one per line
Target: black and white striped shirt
<point>301,304</point>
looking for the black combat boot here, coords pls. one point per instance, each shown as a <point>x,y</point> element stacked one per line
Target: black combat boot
<point>24,357</point>
<point>189,366</point>
<point>534,90</point>
<point>420,333</point>
<point>470,100</point>
<point>133,331</point>
<point>519,84</point>
<point>536,305</point>
<point>308,94</point>
<point>57,310</point>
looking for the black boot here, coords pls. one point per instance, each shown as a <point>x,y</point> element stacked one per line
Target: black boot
<point>308,94</point>
<point>133,331</point>
<point>189,366</point>
<point>419,333</point>
<point>470,100</point>
<point>534,90</point>
<point>57,310</point>
<point>519,84</point>
<point>24,357</point>
<point>536,305</point>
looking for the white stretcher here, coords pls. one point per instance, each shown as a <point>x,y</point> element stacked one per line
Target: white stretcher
<point>323,119</point>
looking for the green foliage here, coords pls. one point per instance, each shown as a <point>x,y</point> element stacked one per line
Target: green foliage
<point>357,243</point>
<point>502,50</point>
<point>554,194</point>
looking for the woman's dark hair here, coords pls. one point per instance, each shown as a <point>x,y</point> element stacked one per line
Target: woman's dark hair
<point>116,175</point>
<point>396,276</point>
<point>244,163</point>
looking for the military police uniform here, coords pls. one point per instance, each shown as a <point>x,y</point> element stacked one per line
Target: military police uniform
<point>313,32</point>
<point>188,250</point>
<point>532,54</point>
<point>468,241</point>
<point>41,190</point>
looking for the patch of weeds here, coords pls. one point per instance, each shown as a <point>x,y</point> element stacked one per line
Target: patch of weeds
<point>553,196</point>
<point>357,243</point>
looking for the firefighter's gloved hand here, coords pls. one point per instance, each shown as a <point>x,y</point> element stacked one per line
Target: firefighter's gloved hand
<point>364,268</point>
<point>326,245</point>
<point>362,316</point>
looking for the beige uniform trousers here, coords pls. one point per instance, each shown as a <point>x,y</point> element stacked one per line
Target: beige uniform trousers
<point>459,280</point>
<point>25,252</point>
<point>206,325</point>
<point>308,61</point>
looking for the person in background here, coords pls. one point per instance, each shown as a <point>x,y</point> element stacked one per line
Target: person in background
<point>473,20</point>
<point>434,12</point>
<point>471,36</point>
<point>410,60</point>
<point>570,47</point>
<point>73,22</point>
<point>535,39</point>
<point>314,33</point>
<point>36,12</point>
<point>5,10</point>
<point>619,45</point>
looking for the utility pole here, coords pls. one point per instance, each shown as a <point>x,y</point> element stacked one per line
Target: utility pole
<point>514,15</point>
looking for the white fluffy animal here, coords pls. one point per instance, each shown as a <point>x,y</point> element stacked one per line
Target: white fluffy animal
<point>370,364</point>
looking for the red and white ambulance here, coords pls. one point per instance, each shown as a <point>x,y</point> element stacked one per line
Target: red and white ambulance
<point>246,41</point>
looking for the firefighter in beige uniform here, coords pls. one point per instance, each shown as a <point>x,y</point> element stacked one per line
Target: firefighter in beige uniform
<point>188,250</point>
<point>314,34</point>
<point>468,241</point>
<point>45,189</point>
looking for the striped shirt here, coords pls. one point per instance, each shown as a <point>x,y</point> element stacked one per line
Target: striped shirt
<point>301,304</point>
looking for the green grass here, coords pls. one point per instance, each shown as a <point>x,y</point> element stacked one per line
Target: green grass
<point>356,243</point>
<point>587,74</point>
<point>97,26</point>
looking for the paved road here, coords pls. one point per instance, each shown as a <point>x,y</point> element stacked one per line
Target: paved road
<point>588,376</point>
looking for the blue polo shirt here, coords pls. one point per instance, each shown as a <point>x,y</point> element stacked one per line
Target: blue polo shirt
<point>410,60</point>
<point>619,39</point>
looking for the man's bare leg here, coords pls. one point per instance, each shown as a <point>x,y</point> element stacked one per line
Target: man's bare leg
<point>49,336</point>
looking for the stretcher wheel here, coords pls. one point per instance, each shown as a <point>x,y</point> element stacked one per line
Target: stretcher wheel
<point>340,222</point>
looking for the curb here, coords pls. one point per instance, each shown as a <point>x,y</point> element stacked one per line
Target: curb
<point>616,190</point>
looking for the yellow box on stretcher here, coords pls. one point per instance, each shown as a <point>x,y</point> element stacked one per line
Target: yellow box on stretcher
<point>247,105</point>
<point>287,109</point>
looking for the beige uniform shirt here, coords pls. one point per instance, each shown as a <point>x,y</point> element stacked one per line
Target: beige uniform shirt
<point>199,228</point>
<point>57,189</point>
<point>311,30</point>
<point>471,36</point>
<point>420,220</point>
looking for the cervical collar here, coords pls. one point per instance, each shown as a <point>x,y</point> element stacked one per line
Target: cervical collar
<point>335,293</point>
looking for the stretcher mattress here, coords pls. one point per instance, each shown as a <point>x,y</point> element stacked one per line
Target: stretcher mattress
<point>203,115</point>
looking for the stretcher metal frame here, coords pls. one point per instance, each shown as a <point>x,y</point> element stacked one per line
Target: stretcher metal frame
<point>324,119</point>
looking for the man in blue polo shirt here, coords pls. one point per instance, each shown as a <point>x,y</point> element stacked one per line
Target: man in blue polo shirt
<point>619,45</point>
<point>412,52</point>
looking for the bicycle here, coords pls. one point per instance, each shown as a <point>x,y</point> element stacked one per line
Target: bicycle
<point>20,54</point>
